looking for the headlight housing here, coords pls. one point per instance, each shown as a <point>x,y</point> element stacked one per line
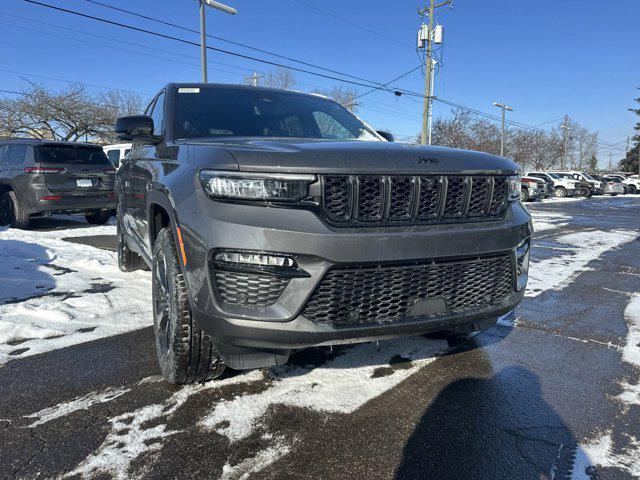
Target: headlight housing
<point>522,263</point>
<point>267,187</point>
<point>514,188</point>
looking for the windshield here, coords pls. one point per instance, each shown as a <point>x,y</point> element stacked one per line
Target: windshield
<point>242,112</point>
<point>71,154</point>
<point>587,176</point>
<point>613,179</point>
<point>554,175</point>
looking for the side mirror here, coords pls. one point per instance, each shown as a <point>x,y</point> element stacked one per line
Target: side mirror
<point>136,128</point>
<point>386,135</point>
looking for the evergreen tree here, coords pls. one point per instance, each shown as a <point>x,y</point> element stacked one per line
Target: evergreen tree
<point>631,162</point>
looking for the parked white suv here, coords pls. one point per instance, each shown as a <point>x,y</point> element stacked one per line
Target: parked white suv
<point>631,184</point>
<point>117,152</point>
<point>564,187</point>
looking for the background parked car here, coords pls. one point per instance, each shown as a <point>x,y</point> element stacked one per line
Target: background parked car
<point>614,186</point>
<point>530,189</point>
<point>117,152</point>
<point>42,177</point>
<point>584,188</point>
<point>562,187</point>
<point>629,187</point>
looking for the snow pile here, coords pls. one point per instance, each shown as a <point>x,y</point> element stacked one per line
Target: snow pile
<point>577,250</point>
<point>341,385</point>
<point>55,293</point>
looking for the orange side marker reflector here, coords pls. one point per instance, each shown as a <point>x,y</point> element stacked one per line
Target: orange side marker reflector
<point>181,244</point>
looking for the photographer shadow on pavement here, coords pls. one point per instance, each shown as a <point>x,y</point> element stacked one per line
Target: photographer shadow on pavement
<point>490,428</point>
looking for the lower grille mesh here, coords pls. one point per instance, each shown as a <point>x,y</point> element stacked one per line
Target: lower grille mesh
<point>387,293</point>
<point>251,289</point>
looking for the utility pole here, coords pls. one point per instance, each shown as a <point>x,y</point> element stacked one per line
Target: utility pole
<point>254,79</point>
<point>203,30</point>
<point>504,108</point>
<point>430,119</point>
<point>610,154</point>
<point>565,134</point>
<point>429,40</point>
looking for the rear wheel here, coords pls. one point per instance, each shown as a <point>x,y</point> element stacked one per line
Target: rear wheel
<point>632,189</point>
<point>98,218</point>
<point>186,353</point>
<point>524,195</point>
<point>11,213</point>
<point>561,192</point>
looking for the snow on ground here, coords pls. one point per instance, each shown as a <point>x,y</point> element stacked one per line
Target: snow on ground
<point>55,293</point>
<point>572,253</point>
<point>602,451</point>
<point>543,221</point>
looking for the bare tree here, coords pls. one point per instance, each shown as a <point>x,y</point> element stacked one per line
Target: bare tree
<point>344,96</point>
<point>70,114</point>
<point>282,78</point>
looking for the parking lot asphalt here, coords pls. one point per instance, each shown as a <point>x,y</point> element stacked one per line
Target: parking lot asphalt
<point>552,392</point>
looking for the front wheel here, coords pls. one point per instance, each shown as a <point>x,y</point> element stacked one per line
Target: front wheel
<point>524,195</point>
<point>561,192</point>
<point>586,192</point>
<point>186,354</point>
<point>632,189</point>
<point>11,213</point>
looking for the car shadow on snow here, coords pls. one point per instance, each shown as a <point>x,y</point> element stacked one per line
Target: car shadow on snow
<point>497,427</point>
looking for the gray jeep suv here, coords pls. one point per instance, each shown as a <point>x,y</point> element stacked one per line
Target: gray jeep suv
<point>274,220</point>
<point>42,177</point>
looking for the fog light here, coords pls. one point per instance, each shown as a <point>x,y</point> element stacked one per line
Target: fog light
<point>522,264</point>
<point>279,265</point>
<point>255,259</point>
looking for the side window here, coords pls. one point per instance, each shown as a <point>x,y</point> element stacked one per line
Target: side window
<point>329,127</point>
<point>16,155</point>
<point>3,151</point>
<point>114,156</point>
<point>158,115</point>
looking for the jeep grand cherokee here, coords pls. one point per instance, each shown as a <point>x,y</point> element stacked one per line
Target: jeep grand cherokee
<point>274,220</point>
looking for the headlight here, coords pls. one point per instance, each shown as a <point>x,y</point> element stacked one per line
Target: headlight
<point>281,187</point>
<point>514,188</point>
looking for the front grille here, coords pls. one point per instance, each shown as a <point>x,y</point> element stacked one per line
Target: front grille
<point>250,289</point>
<point>370,200</point>
<point>369,294</point>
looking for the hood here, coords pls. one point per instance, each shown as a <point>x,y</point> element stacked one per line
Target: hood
<point>358,157</point>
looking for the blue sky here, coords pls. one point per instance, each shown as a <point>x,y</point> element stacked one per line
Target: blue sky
<point>544,58</point>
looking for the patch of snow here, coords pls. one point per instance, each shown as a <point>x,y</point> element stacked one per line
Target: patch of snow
<point>260,461</point>
<point>80,403</point>
<point>631,352</point>
<point>578,249</point>
<point>54,294</point>
<point>508,319</point>
<point>600,453</point>
<point>341,385</point>
<point>543,221</point>
<point>130,436</point>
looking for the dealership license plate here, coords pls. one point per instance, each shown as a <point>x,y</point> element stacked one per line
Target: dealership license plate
<point>84,182</point>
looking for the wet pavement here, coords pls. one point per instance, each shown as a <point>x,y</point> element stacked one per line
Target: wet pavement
<point>551,395</point>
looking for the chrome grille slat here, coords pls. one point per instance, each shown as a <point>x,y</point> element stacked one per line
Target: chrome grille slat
<point>372,200</point>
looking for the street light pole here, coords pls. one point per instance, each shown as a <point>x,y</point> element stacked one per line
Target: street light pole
<point>504,110</point>
<point>203,30</point>
<point>203,41</point>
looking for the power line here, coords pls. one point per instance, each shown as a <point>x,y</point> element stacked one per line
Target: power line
<point>351,22</point>
<point>390,81</point>
<point>222,39</point>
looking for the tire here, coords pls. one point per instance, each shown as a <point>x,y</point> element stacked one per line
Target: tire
<point>98,218</point>
<point>128,261</point>
<point>186,354</point>
<point>632,189</point>
<point>614,194</point>
<point>11,213</point>
<point>561,192</point>
<point>524,195</point>
<point>586,192</point>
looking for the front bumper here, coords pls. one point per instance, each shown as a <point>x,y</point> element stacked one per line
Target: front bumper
<point>265,334</point>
